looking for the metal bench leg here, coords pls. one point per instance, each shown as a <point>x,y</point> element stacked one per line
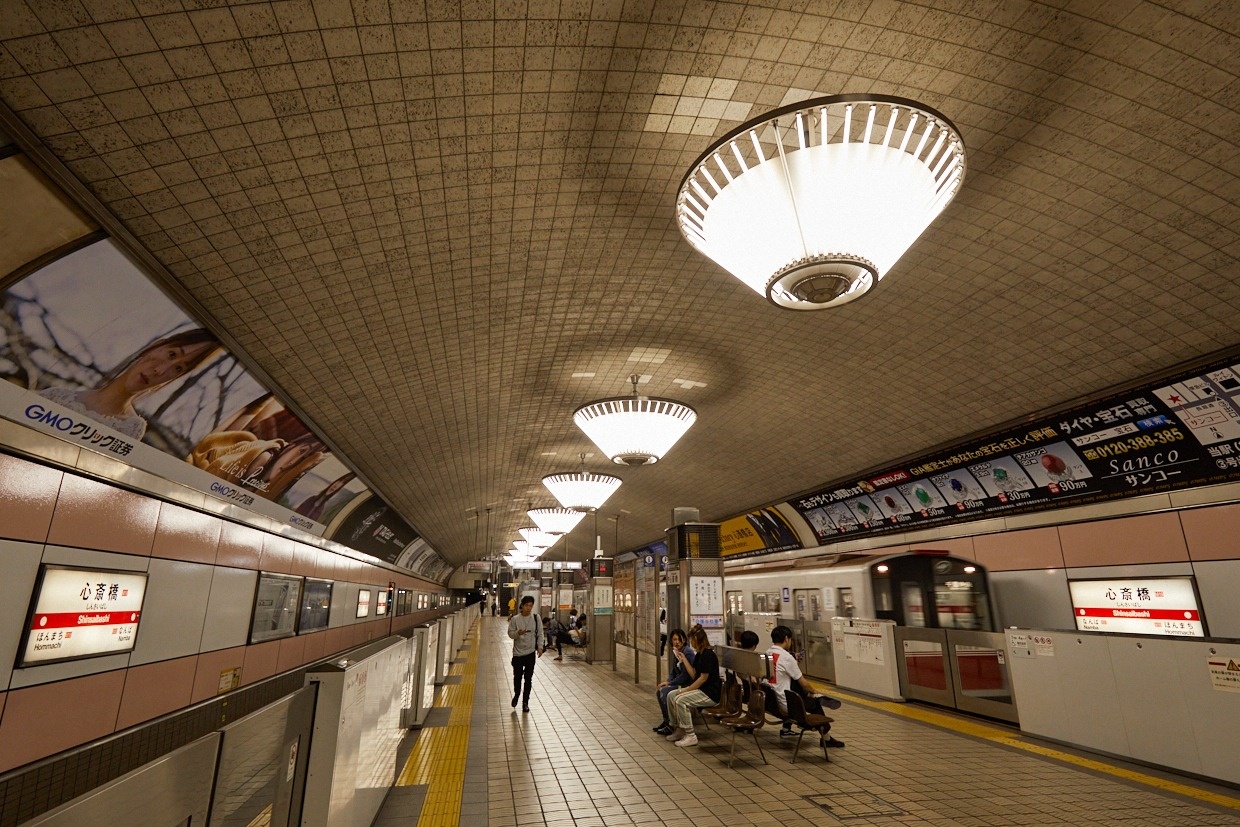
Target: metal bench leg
<point>798,746</point>
<point>732,754</point>
<point>758,744</point>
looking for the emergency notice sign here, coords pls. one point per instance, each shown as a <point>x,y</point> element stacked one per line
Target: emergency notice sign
<point>83,613</point>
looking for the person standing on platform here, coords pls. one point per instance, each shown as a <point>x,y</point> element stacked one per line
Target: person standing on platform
<point>494,608</point>
<point>526,632</point>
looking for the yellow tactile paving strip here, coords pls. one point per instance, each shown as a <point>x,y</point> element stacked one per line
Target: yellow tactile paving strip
<point>438,757</point>
<point>978,729</point>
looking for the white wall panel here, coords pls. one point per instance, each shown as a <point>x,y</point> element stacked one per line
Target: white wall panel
<point>1215,714</point>
<point>174,612</point>
<point>1147,684</point>
<point>1032,598</point>
<point>229,608</point>
<point>1087,684</point>
<point>1218,582</point>
<point>19,568</point>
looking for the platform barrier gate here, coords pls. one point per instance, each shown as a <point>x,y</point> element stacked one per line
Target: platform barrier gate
<point>962,669</point>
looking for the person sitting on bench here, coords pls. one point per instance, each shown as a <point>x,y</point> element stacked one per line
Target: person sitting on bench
<point>788,675</point>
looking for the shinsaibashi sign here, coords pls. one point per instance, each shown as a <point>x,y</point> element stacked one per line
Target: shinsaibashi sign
<point>1138,606</point>
<point>83,613</point>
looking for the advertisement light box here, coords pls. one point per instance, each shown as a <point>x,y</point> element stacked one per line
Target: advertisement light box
<point>83,613</point>
<point>363,603</point>
<point>1138,606</point>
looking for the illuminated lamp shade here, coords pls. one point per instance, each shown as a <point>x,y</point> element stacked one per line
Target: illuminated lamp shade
<point>557,520</point>
<point>634,430</point>
<point>537,538</point>
<point>813,203</point>
<point>523,549</point>
<point>581,490</point>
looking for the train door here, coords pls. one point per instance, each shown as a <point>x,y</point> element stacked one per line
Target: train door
<point>736,603</point>
<point>806,604</point>
<point>912,596</point>
<point>846,606</point>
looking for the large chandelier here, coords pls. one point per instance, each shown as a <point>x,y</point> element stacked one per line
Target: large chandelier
<point>580,491</point>
<point>522,548</point>
<point>557,520</point>
<point>813,203</point>
<point>634,430</point>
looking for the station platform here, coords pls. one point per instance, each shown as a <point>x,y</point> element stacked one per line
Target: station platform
<point>585,755</point>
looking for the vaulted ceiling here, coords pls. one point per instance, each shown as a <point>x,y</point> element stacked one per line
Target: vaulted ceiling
<point>439,227</point>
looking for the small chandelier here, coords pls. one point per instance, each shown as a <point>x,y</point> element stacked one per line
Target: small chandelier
<point>556,520</point>
<point>813,203</point>
<point>537,538</point>
<point>634,430</point>
<point>522,548</point>
<point>581,491</point>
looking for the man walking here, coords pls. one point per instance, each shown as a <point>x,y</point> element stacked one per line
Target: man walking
<point>526,632</point>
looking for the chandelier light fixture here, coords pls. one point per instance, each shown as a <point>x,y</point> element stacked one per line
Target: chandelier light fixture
<point>537,538</point>
<point>556,520</point>
<point>581,491</point>
<point>813,203</point>
<point>634,430</point>
<point>522,548</point>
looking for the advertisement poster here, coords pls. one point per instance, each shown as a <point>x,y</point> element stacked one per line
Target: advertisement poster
<point>276,604</point>
<point>83,613</point>
<point>1165,436</point>
<point>757,531</point>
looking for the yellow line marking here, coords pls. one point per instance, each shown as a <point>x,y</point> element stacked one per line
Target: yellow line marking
<point>438,756</point>
<point>999,736</point>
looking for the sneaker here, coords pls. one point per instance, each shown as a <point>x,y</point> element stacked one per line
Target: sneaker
<point>676,734</point>
<point>664,730</point>
<point>558,658</point>
<point>831,703</point>
<point>832,742</point>
<point>690,740</point>
<point>661,725</point>
<point>514,700</point>
<point>787,733</point>
<point>526,709</point>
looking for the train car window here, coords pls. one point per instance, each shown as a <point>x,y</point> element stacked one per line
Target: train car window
<point>914,611</point>
<point>846,605</point>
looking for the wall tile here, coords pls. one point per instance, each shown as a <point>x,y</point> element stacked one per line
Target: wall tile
<point>240,546</point>
<point>1034,548</point>
<point>305,559</point>
<point>174,612</point>
<point>208,669</point>
<point>229,608</point>
<point>19,569</point>
<point>1212,533</point>
<point>93,515</point>
<point>28,494</point>
<point>182,534</point>
<point>260,661</point>
<point>156,689</point>
<point>277,554</point>
<point>956,546</point>
<point>292,654</point>
<point>45,719</point>
<point>315,645</point>
<point>1149,538</point>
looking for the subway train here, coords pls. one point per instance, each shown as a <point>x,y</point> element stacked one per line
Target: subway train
<point>922,587</point>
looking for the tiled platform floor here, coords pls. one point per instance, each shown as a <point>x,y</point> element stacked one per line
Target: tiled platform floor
<point>585,755</point>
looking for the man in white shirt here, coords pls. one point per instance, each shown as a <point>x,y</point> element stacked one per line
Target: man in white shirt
<point>785,669</point>
<point>525,629</point>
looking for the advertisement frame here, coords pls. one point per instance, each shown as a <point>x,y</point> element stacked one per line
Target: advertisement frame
<point>32,610</point>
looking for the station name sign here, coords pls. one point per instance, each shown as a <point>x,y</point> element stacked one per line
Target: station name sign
<point>83,613</point>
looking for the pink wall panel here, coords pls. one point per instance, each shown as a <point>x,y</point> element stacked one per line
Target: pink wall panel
<point>333,640</point>
<point>305,559</point>
<point>958,546</point>
<point>292,654</point>
<point>315,643</point>
<point>156,689</point>
<point>28,494</point>
<point>1149,538</point>
<point>210,665</point>
<point>93,515</point>
<point>240,546</point>
<point>260,661</point>
<point>1034,548</point>
<point>1212,533</point>
<point>277,554</point>
<point>326,565</point>
<point>42,720</point>
<point>182,534</point>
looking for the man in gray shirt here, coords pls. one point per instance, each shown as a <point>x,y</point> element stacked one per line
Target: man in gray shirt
<point>526,632</point>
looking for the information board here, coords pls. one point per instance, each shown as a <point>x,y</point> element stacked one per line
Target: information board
<point>1138,606</point>
<point>1168,435</point>
<point>82,613</point>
